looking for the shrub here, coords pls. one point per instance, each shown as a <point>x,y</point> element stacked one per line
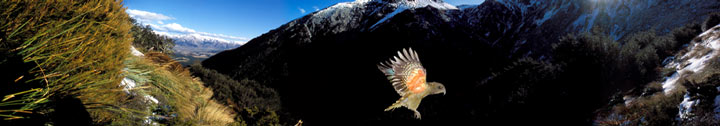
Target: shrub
<point>685,34</point>
<point>712,20</point>
<point>653,106</point>
<point>643,51</point>
<point>255,103</point>
<point>636,60</point>
<point>593,55</point>
<point>654,110</point>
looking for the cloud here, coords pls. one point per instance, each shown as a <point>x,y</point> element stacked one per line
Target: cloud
<point>158,21</point>
<point>144,16</point>
<point>175,27</point>
<point>302,11</point>
<point>316,8</point>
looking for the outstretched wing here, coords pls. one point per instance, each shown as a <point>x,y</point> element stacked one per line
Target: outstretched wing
<point>405,72</point>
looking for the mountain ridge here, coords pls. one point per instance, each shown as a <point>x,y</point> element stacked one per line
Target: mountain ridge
<point>307,58</point>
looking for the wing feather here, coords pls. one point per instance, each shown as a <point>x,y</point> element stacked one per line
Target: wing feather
<point>405,72</point>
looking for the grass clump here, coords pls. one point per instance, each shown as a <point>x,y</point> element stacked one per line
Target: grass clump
<point>189,102</point>
<point>63,63</point>
<point>55,50</point>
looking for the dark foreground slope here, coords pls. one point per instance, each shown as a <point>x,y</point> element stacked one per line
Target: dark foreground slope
<point>324,64</point>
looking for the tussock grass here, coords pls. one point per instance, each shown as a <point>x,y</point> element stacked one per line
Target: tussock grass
<point>174,86</point>
<point>55,50</point>
<point>58,49</point>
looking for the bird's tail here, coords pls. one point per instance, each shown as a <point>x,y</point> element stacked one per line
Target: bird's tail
<point>397,104</point>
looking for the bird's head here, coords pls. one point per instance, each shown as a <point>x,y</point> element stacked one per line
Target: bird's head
<point>437,88</point>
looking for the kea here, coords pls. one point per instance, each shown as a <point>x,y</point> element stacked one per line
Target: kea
<point>407,76</point>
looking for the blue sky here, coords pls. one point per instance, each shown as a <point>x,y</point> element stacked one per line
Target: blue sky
<point>235,19</point>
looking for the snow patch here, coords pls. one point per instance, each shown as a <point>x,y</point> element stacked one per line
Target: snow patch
<point>548,15</point>
<point>127,84</point>
<point>344,5</point>
<point>669,83</point>
<point>405,5</point>
<point>399,6</point>
<point>694,63</point>
<point>151,98</point>
<point>388,16</point>
<point>628,100</point>
<point>135,51</point>
<point>686,106</point>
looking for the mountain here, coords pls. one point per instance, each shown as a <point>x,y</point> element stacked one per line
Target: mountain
<point>193,47</point>
<point>324,64</point>
<point>203,42</point>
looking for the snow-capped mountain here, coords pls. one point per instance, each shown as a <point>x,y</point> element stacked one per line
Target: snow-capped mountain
<point>191,47</point>
<point>201,41</point>
<point>333,52</point>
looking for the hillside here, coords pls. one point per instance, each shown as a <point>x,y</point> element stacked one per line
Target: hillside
<point>503,62</point>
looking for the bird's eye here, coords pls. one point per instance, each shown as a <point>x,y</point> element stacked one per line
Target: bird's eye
<point>439,87</point>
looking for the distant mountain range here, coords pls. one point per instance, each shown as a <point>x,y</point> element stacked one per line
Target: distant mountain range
<point>206,42</point>
<point>195,47</point>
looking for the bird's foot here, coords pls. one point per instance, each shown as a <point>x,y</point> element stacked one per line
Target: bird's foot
<point>417,115</point>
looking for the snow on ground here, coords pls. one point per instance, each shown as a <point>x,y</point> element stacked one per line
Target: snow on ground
<point>127,84</point>
<point>694,63</point>
<point>135,51</point>
<point>690,64</point>
<point>399,7</point>
<point>388,16</point>
<point>548,15</point>
<point>686,106</point>
<point>628,100</point>
<point>151,99</point>
<point>405,5</point>
<point>344,5</point>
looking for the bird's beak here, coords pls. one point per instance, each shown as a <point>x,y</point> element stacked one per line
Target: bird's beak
<point>444,92</point>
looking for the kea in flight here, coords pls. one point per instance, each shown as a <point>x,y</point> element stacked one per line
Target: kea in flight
<point>407,76</point>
